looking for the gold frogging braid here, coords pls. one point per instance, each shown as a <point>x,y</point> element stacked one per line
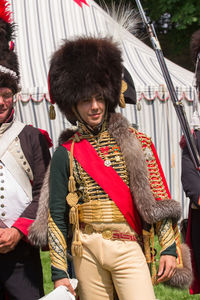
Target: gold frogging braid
<point>148,242</point>
<point>72,200</point>
<point>123,89</point>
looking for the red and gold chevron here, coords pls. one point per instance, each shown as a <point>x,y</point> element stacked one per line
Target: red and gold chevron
<point>157,179</point>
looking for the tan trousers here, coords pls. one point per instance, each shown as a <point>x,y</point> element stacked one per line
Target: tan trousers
<point>107,262</point>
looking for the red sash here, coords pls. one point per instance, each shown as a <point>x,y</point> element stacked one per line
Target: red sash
<point>108,179</point>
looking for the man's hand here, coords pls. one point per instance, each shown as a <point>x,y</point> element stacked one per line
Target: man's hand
<point>167,267</point>
<point>9,237</point>
<point>65,282</point>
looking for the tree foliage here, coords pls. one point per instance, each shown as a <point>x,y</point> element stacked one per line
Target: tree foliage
<point>174,32</point>
<point>183,13</point>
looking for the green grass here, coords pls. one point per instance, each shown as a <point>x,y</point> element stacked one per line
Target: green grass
<point>162,292</point>
<point>48,285</point>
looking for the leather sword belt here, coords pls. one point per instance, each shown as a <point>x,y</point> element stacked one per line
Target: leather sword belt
<point>110,234</point>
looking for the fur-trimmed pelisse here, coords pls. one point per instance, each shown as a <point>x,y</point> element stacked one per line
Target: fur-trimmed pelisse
<point>82,68</point>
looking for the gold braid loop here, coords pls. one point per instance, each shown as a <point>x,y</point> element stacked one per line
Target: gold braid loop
<point>148,242</point>
<point>72,200</point>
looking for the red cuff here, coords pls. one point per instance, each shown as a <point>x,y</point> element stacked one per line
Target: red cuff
<point>23,225</point>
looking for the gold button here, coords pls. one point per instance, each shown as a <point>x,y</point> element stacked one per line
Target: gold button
<point>2,197</point>
<point>3,214</point>
<point>1,167</point>
<point>117,158</point>
<point>2,188</point>
<point>88,229</point>
<point>2,205</point>
<point>107,234</point>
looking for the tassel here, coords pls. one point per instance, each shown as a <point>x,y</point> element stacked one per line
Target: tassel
<point>72,216</point>
<point>146,242</point>
<point>52,113</point>
<point>71,184</point>
<point>154,273</point>
<point>77,248</point>
<point>123,89</point>
<point>138,105</point>
<point>122,103</point>
<point>72,200</point>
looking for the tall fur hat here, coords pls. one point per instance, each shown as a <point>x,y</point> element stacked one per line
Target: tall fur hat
<point>84,67</point>
<point>195,50</point>
<point>9,68</point>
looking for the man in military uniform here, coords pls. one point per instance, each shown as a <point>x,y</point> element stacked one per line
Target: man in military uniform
<point>190,176</point>
<point>106,180</point>
<point>24,157</point>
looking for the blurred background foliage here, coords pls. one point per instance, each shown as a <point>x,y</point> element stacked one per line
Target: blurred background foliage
<point>174,21</point>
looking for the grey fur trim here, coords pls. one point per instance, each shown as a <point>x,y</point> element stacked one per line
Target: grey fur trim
<point>38,230</point>
<point>183,276</point>
<point>150,210</point>
<point>65,135</point>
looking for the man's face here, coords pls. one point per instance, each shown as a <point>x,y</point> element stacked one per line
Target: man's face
<point>92,110</point>
<point>6,103</point>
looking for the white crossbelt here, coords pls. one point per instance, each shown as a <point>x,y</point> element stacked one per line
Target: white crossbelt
<point>9,160</point>
<point>9,135</point>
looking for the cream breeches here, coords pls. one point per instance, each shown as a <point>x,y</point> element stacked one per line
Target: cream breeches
<point>106,263</point>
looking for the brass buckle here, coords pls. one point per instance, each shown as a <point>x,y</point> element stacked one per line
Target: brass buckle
<point>88,229</point>
<point>107,234</point>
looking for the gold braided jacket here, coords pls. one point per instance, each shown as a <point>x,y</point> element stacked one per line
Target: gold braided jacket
<point>91,194</point>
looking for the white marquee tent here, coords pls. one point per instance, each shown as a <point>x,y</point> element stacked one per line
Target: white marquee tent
<point>41,27</point>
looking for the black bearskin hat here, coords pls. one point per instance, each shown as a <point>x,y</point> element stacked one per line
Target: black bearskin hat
<point>82,68</point>
<point>9,68</point>
<point>195,50</point>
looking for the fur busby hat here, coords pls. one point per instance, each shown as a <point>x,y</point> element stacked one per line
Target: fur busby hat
<point>82,68</point>
<point>9,68</point>
<point>195,51</point>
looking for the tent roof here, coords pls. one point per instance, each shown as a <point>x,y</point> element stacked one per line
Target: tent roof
<point>43,24</point>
